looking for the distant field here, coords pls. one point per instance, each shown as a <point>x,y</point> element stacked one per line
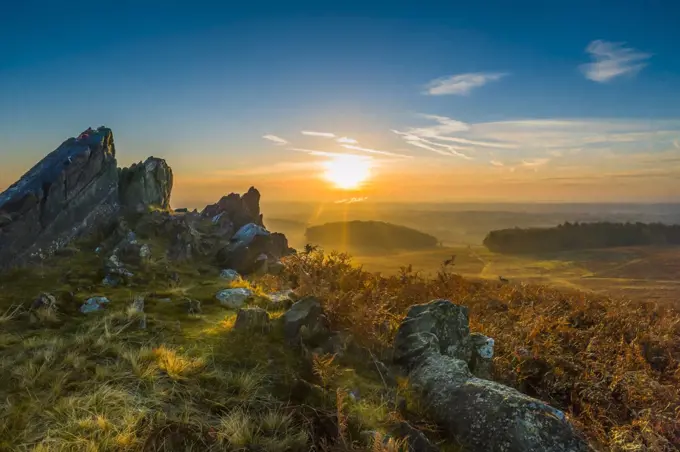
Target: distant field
<point>638,272</point>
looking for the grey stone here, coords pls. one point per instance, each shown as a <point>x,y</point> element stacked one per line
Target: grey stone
<point>433,343</point>
<point>70,192</point>
<point>233,298</point>
<point>192,306</point>
<point>145,252</point>
<point>230,275</point>
<point>252,319</point>
<point>94,304</point>
<point>146,184</point>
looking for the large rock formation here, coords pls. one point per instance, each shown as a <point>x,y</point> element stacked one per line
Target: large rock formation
<point>237,210</point>
<point>146,184</point>
<point>434,345</point>
<point>71,190</point>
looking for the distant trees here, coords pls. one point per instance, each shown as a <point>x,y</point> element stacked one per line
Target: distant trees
<point>571,236</point>
<point>369,235</point>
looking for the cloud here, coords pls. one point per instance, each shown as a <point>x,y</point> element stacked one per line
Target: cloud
<point>351,200</point>
<point>612,59</point>
<point>461,84</point>
<point>316,153</point>
<point>533,163</point>
<point>318,134</point>
<point>374,151</point>
<point>347,140</point>
<point>496,163</point>
<point>275,139</point>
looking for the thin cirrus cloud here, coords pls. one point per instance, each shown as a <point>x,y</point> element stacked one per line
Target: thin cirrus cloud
<point>274,139</point>
<point>496,163</point>
<point>611,60</point>
<point>461,84</point>
<point>374,151</point>
<point>312,133</point>
<point>347,140</point>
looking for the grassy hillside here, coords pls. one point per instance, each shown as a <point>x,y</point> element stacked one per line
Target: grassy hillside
<point>369,235</point>
<point>99,382</point>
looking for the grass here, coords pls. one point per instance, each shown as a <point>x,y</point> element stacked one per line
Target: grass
<point>612,365</point>
<point>99,382</point>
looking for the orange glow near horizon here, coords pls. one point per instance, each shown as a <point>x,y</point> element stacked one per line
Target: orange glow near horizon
<point>347,172</point>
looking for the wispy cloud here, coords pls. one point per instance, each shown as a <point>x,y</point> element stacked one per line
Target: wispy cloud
<point>496,163</point>
<point>461,84</point>
<point>317,153</point>
<point>318,134</point>
<point>612,59</point>
<point>533,163</point>
<point>275,139</point>
<point>374,151</point>
<point>351,200</point>
<point>347,140</point>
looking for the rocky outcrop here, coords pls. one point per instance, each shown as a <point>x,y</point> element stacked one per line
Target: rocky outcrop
<point>253,249</point>
<point>145,184</point>
<point>69,192</point>
<point>434,345</point>
<point>238,210</point>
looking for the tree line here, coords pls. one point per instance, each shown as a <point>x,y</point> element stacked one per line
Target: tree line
<point>572,236</point>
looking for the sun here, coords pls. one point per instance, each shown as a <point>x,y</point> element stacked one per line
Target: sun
<point>347,172</point>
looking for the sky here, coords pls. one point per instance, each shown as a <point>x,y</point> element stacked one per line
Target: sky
<point>442,101</point>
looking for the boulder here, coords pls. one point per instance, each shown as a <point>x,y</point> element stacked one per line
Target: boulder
<point>94,304</point>
<point>145,184</point>
<point>230,275</point>
<point>252,319</point>
<point>238,210</point>
<point>434,345</point>
<point>72,191</point>
<point>305,318</point>
<point>233,298</point>
<point>253,249</point>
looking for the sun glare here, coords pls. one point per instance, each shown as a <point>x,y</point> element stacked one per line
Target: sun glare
<point>347,171</point>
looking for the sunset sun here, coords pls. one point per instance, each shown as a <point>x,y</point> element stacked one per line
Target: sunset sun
<point>347,172</point>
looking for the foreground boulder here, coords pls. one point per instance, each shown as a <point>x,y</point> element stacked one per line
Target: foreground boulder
<point>434,345</point>
<point>70,192</point>
<point>146,184</point>
<point>254,249</point>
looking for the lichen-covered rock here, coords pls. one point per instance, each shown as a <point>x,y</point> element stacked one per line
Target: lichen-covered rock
<point>252,319</point>
<point>481,361</point>
<point>94,304</point>
<point>146,184</point>
<point>433,344</point>
<point>230,275</point>
<point>72,191</point>
<point>234,298</point>
<point>306,318</point>
<point>238,210</point>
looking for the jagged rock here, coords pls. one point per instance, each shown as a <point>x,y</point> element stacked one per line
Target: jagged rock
<point>72,191</point>
<point>145,184</point>
<point>239,210</point>
<point>252,319</point>
<point>233,298</point>
<point>93,304</point>
<point>306,318</point>
<point>434,345</point>
<point>252,249</point>
<point>230,275</point>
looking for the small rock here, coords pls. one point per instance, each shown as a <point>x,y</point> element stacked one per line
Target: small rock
<point>44,301</point>
<point>306,312</point>
<point>98,250</point>
<point>230,275</point>
<point>145,252</point>
<point>283,298</point>
<point>252,319</point>
<point>192,306</point>
<point>233,298</point>
<point>482,355</point>
<point>93,304</point>
<point>110,281</point>
<point>131,238</point>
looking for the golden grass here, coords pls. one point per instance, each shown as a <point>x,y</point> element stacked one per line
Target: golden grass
<point>612,365</point>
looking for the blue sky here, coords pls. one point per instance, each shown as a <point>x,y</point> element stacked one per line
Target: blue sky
<point>523,92</point>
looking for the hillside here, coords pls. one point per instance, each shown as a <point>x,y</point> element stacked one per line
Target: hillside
<point>369,235</point>
<point>153,330</point>
<point>574,236</point>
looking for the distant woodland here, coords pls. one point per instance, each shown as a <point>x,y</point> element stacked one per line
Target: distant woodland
<point>369,235</point>
<point>572,236</point>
